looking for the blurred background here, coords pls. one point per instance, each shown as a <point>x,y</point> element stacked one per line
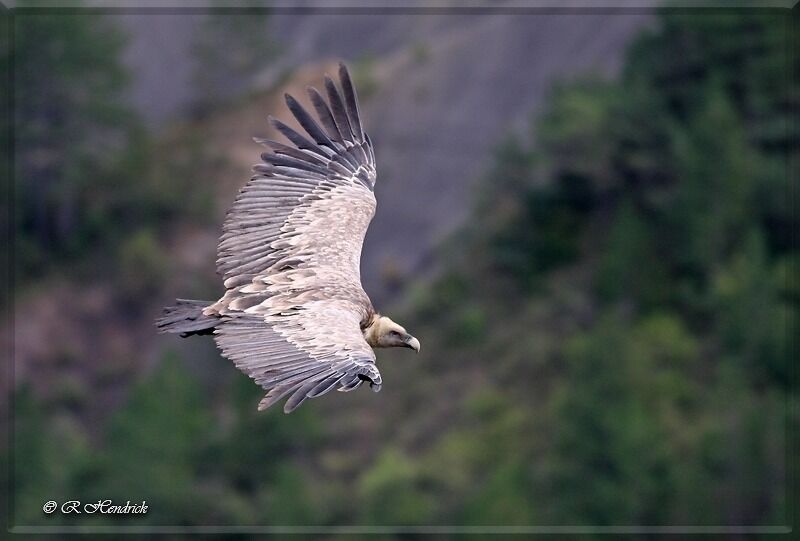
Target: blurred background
<point>584,216</point>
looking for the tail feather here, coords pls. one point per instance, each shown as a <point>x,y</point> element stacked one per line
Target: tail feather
<point>186,318</point>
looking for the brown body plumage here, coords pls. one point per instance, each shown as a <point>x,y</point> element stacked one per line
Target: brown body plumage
<point>294,316</point>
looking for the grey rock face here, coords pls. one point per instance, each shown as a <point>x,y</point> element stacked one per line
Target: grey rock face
<point>444,89</point>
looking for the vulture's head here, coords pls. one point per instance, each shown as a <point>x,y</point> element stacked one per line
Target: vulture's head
<point>385,333</point>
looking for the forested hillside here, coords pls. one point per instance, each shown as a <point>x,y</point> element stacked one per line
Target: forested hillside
<point>608,341</point>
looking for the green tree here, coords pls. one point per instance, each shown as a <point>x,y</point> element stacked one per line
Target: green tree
<point>391,492</point>
<point>630,267</point>
<point>47,451</point>
<point>754,320</point>
<point>70,126</point>
<point>712,202</point>
<point>611,450</point>
<point>153,448</point>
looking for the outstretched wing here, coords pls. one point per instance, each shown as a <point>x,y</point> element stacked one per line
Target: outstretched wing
<point>290,255</point>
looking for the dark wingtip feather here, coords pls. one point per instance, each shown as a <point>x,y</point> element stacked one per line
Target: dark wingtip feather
<point>274,395</point>
<point>299,396</point>
<point>308,122</point>
<point>338,109</point>
<point>351,102</point>
<point>333,138</point>
<point>298,140</point>
<point>325,115</point>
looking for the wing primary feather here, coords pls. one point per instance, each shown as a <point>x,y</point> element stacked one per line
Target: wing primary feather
<point>370,147</point>
<point>339,112</point>
<point>352,102</point>
<point>324,386</point>
<point>274,395</point>
<point>292,375</point>
<point>300,141</point>
<point>325,115</point>
<point>348,158</point>
<point>299,396</point>
<point>340,169</point>
<point>359,154</point>
<point>295,163</point>
<point>308,123</point>
<point>291,151</point>
<point>262,183</point>
<point>351,384</point>
<point>282,363</point>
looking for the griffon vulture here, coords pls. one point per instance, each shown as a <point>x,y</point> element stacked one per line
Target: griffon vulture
<point>294,316</point>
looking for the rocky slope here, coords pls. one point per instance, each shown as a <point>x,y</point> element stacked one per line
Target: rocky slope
<point>440,90</point>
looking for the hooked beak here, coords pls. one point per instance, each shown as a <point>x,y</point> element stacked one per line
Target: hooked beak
<point>412,343</point>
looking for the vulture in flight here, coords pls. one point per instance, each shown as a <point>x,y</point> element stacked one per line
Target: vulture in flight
<point>294,316</point>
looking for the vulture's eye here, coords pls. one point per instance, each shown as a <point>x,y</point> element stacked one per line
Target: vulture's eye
<point>394,333</point>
